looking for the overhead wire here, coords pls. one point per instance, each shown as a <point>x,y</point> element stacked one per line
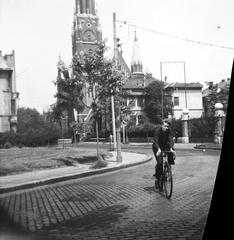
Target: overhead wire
<point>176,37</point>
<point>127,36</point>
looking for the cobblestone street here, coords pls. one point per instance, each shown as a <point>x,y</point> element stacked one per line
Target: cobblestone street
<point>119,205</point>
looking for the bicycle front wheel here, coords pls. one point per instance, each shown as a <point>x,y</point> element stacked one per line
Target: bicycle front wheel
<point>168,181</point>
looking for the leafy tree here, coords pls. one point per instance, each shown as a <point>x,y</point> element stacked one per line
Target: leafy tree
<point>95,75</point>
<point>28,118</point>
<point>216,95</point>
<point>153,102</point>
<point>33,131</point>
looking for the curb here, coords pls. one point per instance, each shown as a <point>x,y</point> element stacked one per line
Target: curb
<point>208,148</point>
<point>72,176</point>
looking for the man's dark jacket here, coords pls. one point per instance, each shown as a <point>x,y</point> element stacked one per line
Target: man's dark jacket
<point>164,141</point>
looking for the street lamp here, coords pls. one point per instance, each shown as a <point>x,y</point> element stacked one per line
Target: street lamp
<point>185,85</point>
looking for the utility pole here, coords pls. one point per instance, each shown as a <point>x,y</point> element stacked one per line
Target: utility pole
<point>161,89</point>
<point>113,120</point>
<point>119,157</point>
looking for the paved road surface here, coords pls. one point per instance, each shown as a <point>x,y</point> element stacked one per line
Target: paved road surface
<point>117,205</point>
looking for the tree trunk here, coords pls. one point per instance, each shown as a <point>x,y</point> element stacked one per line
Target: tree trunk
<point>97,138</point>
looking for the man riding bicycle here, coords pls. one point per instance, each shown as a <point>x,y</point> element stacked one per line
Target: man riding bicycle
<point>163,141</point>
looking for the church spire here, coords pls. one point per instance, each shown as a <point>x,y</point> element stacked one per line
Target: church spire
<point>136,64</point>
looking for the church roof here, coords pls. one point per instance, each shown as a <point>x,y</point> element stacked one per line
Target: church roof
<point>138,83</point>
<point>110,57</point>
<point>136,57</point>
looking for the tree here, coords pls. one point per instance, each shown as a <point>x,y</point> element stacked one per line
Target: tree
<point>69,93</point>
<point>28,118</point>
<point>216,95</point>
<point>96,76</point>
<point>33,131</point>
<point>153,102</point>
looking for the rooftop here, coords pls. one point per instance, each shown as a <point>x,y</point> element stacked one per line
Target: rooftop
<point>223,84</point>
<point>182,85</point>
<point>139,83</point>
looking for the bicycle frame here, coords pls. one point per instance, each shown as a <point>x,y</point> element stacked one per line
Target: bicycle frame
<point>166,182</point>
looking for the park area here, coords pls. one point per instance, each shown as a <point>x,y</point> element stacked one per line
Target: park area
<point>18,160</point>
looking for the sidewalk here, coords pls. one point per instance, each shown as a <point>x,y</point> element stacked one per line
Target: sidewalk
<point>213,146</point>
<point>32,179</point>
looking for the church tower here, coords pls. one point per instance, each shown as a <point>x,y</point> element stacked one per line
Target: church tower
<point>86,30</point>
<point>136,64</point>
<point>86,34</point>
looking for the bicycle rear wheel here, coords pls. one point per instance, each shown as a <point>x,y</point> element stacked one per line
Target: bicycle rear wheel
<point>168,180</point>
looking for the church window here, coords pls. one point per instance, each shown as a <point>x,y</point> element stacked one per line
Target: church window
<point>89,38</point>
<point>90,51</point>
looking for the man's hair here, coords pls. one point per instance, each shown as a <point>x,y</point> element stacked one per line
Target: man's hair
<point>166,121</point>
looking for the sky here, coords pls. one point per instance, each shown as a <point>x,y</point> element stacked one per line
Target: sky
<point>39,31</point>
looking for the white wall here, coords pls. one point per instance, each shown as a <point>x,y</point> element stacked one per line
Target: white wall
<point>194,103</point>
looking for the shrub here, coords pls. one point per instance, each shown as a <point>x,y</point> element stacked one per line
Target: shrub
<point>7,145</point>
<point>8,136</point>
<point>202,127</point>
<point>20,145</point>
<point>101,163</point>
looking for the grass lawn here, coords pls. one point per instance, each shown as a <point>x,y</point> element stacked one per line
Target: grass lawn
<point>15,160</point>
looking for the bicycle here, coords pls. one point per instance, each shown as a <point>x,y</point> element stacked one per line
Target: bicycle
<point>166,179</point>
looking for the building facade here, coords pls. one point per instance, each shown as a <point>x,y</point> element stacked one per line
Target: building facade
<point>186,96</point>
<point>8,93</point>
<point>87,33</point>
<point>183,96</point>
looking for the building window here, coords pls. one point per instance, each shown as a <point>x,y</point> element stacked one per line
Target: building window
<point>132,101</point>
<point>140,102</point>
<point>89,38</point>
<point>176,101</point>
<point>90,52</point>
